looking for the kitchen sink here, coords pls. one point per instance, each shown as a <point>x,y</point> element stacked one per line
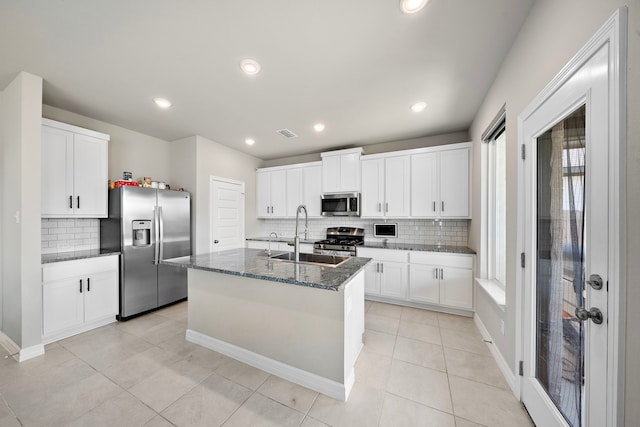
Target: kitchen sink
<point>326,260</point>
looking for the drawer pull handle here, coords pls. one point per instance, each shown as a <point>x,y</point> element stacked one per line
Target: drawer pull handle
<point>70,202</point>
<point>88,284</point>
<point>80,285</point>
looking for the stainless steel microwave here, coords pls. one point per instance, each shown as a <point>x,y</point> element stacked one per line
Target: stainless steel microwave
<point>343,204</point>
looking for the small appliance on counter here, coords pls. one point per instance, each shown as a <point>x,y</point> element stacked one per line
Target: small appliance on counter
<point>385,230</point>
<point>340,241</point>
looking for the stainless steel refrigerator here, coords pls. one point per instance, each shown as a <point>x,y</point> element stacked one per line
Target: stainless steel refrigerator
<point>148,225</point>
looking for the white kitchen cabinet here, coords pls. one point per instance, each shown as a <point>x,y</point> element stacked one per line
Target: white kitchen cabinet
<point>341,171</point>
<point>312,183</point>
<point>271,190</point>
<point>304,187</point>
<point>387,274</point>
<point>78,295</point>
<point>386,187</point>
<point>74,171</point>
<point>439,278</point>
<point>440,184</point>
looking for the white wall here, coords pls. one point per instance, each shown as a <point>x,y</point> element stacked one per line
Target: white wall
<point>552,34</point>
<point>130,151</point>
<point>20,120</point>
<point>194,161</point>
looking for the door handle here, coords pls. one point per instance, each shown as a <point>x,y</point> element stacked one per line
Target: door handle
<point>595,281</point>
<point>80,285</point>
<point>435,272</point>
<point>216,241</point>
<point>441,274</point>
<point>379,207</point>
<point>156,234</point>
<point>78,202</point>
<point>382,268</point>
<point>442,206</point>
<point>434,206</point>
<point>70,202</point>
<point>88,284</point>
<point>594,314</point>
<point>386,209</point>
<point>161,217</point>
<point>377,267</point>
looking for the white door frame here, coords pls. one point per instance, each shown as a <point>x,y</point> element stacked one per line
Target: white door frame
<point>211,211</point>
<point>614,33</point>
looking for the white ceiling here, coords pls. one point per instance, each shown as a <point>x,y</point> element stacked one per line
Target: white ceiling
<point>355,65</point>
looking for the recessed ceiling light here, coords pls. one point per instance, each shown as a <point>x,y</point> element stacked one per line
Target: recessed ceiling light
<point>318,127</point>
<point>249,141</point>
<point>162,103</point>
<point>412,6</point>
<point>250,67</point>
<point>418,107</point>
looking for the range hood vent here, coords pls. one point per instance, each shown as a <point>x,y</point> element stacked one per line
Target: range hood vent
<point>287,133</point>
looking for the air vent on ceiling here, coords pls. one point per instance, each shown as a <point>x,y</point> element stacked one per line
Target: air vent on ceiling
<point>287,133</point>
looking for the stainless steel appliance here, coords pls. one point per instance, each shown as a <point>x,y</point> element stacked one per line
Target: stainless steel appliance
<point>343,204</point>
<point>340,241</point>
<point>385,230</point>
<point>148,225</point>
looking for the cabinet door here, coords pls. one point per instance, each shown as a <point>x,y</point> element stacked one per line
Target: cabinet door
<point>349,172</point>
<point>454,183</point>
<point>90,176</point>
<point>393,279</point>
<point>372,196</point>
<point>62,304</point>
<point>312,179</point>
<point>295,190</point>
<point>372,279</point>
<point>57,172</point>
<point>424,285</point>
<point>425,202</point>
<point>279,193</point>
<point>456,287</point>
<point>397,189</point>
<point>331,174</point>
<point>263,194</point>
<point>101,296</point>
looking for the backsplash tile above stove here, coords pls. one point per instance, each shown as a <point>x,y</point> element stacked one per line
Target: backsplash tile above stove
<point>417,231</point>
<point>65,235</point>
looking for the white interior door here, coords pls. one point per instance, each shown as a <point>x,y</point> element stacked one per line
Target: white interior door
<point>567,237</point>
<point>227,214</point>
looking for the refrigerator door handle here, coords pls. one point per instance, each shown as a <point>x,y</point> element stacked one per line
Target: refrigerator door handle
<point>161,243</point>
<point>156,232</point>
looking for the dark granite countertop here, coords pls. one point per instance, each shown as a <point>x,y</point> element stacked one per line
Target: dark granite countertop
<point>389,245</point>
<point>73,255</point>
<point>418,247</point>
<point>254,263</point>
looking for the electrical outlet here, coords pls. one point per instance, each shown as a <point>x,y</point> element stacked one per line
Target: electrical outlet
<point>502,327</point>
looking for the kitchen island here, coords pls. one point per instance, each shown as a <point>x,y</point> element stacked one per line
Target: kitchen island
<point>300,321</point>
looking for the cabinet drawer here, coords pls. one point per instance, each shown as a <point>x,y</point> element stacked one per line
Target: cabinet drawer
<point>383,254</point>
<point>440,259</point>
<point>80,267</point>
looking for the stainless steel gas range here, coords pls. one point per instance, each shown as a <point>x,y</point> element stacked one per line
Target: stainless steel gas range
<point>341,241</point>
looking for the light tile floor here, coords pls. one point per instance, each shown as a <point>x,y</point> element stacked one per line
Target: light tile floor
<point>417,368</point>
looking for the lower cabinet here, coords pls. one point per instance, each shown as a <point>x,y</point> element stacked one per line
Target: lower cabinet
<point>443,279</point>
<point>387,275</point>
<point>420,278</point>
<point>78,295</point>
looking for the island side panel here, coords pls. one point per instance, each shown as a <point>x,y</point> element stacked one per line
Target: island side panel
<point>354,323</point>
<point>300,326</point>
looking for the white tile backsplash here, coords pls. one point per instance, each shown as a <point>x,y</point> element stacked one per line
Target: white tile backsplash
<point>416,231</point>
<point>65,235</point>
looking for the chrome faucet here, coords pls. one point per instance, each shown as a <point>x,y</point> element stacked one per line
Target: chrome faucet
<point>296,238</point>
<point>269,250</point>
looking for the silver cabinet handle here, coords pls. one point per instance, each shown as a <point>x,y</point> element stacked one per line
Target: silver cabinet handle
<point>435,272</point>
<point>161,217</point>
<point>441,274</point>
<point>382,268</point>
<point>377,267</point>
<point>386,207</point>
<point>443,206</point>
<point>379,207</point>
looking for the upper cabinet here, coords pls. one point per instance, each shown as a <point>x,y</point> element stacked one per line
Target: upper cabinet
<point>280,190</point>
<point>271,193</point>
<point>341,171</point>
<point>386,186</point>
<point>440,183</point>
<point>74,171</point>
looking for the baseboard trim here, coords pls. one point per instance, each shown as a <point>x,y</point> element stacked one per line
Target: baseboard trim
<point>75,330</point>
<point>8,344</point>
<point>31,352</point>
<point>512,380</point>
<point>306,379</point>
